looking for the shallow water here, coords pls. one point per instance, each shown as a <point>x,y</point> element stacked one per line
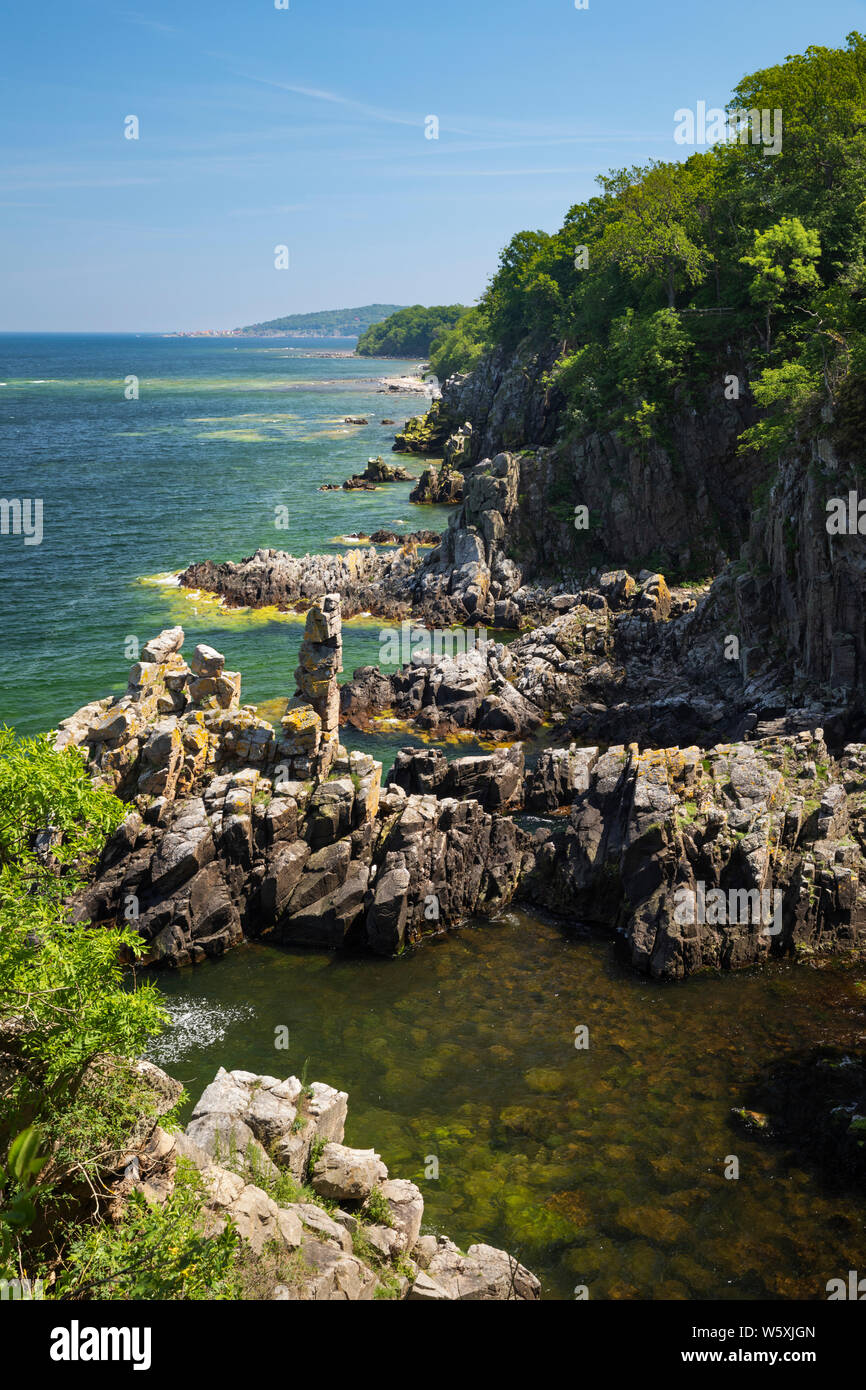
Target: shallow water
<point>601,1167</point>
<point>223,433</point>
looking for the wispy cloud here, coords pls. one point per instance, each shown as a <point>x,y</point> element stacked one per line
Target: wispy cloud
<point>133,17</point>
<point>375,113</point>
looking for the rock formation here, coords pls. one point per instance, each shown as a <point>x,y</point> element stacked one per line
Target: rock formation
<point>442,486</point>
<point>423,434</point>
<point>236,828</point>
<point>317,1219</point>
<point>366,580</point>
<point>320,662</point>
<point>246,1129</point>
<point>718,858</point>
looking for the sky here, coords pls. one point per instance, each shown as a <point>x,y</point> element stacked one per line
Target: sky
<point>306,127</point>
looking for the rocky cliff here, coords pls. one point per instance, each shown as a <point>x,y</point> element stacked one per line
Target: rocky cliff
<point>236,829</point>
<point>351,1233</point>
<point>315,1220</point>
<point>790,588</point>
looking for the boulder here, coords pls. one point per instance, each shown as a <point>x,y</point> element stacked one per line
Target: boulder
<point>347,1174</point>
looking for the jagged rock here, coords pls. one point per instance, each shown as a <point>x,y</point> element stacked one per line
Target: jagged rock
<point>378,471</point>
<point>333,1276</point>
<point>463,691</point>
<point>320,662</point>
<point>558,776</point>
<point>440,486</point>
<point>388,912</point>
<point>707,860</point>
<point>407,1208</point>
<point>347,1174</point>
<point>366,580</point>
<point>160,648</point>
<point>483,1274</point>
<point>495,781</point>
<point>318,1221</point>
<point>206,661</point>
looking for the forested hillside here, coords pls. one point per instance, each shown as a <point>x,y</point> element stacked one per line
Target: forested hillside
<point>409,333</point>
<point>333,323</point>
<point>676,269</point>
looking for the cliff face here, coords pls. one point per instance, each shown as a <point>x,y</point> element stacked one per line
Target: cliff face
<point>792,592</point>
<point>683,503</point>
<point>802,595</point>
<point>506,401</point>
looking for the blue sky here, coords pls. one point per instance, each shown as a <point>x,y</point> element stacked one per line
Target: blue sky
<point>306,127</point>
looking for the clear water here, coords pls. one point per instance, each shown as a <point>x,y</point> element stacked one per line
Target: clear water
<point>601,1167</point>
<point>222,434</point>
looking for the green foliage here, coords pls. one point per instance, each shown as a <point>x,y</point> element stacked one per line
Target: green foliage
<point>41,789</point>
<point>658,227</point>
<point>786,393</point>
<point>65,1005</point>
<point>327,323</point>
<point>707,241</point>
<point>377,1210</point>
<point>461,348</point>
<point>783,259</point>
<point>628,381</point>
<point>410,332</point>
<point>61,982</point>
<point>154,1252</point>
<point>24,1162</point>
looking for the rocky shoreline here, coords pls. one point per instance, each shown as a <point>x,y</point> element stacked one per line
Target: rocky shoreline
<point>351,1233</point>
<point>314,1219</point>
<point>240,829</point>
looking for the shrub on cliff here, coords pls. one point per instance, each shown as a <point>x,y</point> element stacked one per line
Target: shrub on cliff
<point>153,1252</point>
<point>65,1001</point>
<point>461,348</point>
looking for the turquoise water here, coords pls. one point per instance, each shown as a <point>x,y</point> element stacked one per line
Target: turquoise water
<point>600,1168</point>
<point>223,433</point>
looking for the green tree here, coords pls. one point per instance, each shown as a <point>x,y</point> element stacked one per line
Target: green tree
<point>657,228</point>
<point>409,333</point>
<point>461,348</point>
<point>783,259</point>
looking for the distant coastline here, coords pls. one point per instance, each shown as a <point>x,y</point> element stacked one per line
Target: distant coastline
<point>263,333</point>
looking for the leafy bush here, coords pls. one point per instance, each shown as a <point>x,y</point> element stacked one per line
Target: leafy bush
<point>67,1013</point>
<point>461,348</point>
<point>708,241</point>
<point>786,393</point>
<point>154,1252</point>
<point>410,332</point>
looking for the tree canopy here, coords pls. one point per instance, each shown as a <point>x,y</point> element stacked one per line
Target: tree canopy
<point>677,265</point>
<point>409,333</point>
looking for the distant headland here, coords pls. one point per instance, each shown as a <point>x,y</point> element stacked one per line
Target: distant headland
<point>326,323</point>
